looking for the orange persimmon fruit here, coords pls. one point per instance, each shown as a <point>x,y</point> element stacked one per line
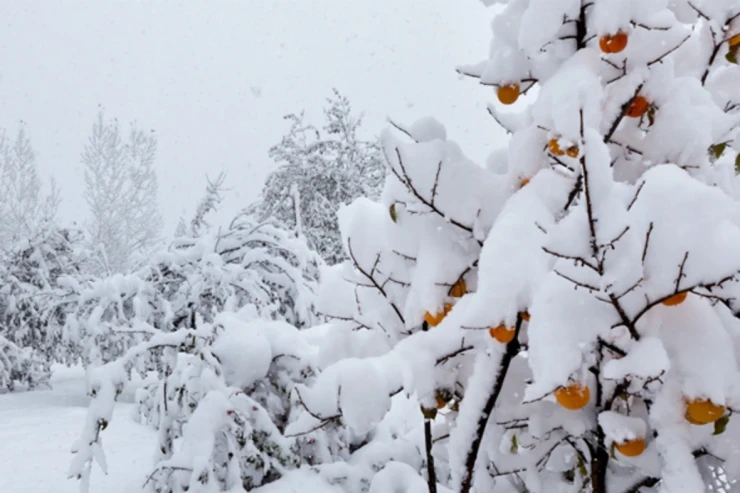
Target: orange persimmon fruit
<point>573,397</point>
<point>508,94</point>
<point>637,107</point>
<point>613,43</point>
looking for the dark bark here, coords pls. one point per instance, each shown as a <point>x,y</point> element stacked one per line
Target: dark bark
<point>512,349</point>
<point>431,472</point>
<point>599,461</point>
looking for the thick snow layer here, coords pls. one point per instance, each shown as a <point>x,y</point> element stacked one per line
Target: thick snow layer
<point>513,262</point>
<point>646,359</point>
<point>41,425</point>
<point>397,477</point>
<point>243,349</point>
<point>620,428</point>
<point>428,129</point>
<point>301,481</point>
<point>559,338</point>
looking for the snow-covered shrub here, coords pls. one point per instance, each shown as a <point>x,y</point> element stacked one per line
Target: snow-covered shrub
<point>317,173</point>
<point>20,368</point>
<point>565,316</point>
<point>217,320</point>
<point>251,264</point>
<point>33,307</point>
<point>229,384</point>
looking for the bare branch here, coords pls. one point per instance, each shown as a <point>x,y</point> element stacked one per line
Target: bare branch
<point>373,281</point>
<point>577,260</point>
<point>680,272</point>
<point>647,241</point>
<point>577,284</point>
<point>637,195</point>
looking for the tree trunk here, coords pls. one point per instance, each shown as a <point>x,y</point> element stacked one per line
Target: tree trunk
<point>512,349</point>
<point>599,461</point>
<point>431,472</point>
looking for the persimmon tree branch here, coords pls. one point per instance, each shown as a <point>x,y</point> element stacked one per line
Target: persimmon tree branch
<point>512,349</point>
<point>622,113</point>
<point>430,204</point>
<point>373,281</point>
<point>428,443</point>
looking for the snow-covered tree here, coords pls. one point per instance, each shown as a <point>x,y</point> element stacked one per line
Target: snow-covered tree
<point>566,316</point>
<point>34,277</point>
<point>121,191</point>
<point>317,173</point>
<point>25,210</point>
<point>208,204</point>
<point>217,319</point>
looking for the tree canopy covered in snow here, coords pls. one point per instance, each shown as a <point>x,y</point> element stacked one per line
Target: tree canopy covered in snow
<point>121,190</point>
<point>216,319</point>
<point>33,306</point>
<point>25,210</point>
<point>561,319</point>
<point>318,171</point>
<point>565,315</point>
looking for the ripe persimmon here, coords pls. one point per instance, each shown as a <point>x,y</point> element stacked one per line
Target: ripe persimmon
<point>637,107</point>
<point>509,93</point>
<point>435,319</point>
<point>573,397</point>
<point>703,411</point>
<point>693,421</point>
<point>525,316</point>
<point>631,448</point>
<point>554,148</point>
<point>613,43</point>
<point>676,299</point>
<point>502,333</point>
<point>524,182</point>
<point>734,41</point>
<point>573,151</point>
<point>459,289</point>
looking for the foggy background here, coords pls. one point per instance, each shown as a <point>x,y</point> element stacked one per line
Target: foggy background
<point>215,78</point>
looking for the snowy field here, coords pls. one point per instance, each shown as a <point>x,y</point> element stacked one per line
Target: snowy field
<point>38,428</point>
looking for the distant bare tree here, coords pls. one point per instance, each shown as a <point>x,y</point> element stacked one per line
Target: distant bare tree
<point>24,209</point>
<point>121,190</point>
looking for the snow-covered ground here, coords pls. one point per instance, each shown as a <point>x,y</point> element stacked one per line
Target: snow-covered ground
<point>37,430</point>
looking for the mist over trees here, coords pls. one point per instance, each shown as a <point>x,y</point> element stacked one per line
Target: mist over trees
<point>26,210</point>
<point>121,192</point>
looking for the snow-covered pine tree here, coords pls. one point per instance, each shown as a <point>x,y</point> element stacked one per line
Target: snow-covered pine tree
<point>600,337</point>
<point>317,172</point>
<point>217,318</point>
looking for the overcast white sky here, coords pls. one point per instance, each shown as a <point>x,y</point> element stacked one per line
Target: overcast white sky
<point>214,79</point>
